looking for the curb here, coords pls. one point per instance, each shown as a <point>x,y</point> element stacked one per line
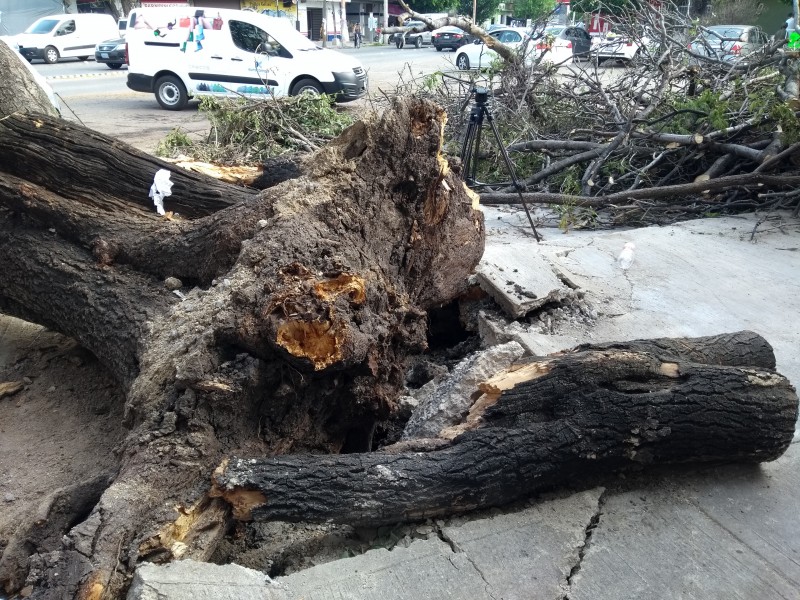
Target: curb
<point>86,75</point>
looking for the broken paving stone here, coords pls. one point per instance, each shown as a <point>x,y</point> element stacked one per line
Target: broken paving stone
<point>535,283</point>
<point>192,580</point>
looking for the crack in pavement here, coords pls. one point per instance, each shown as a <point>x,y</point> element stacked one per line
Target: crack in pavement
<point>459,550</point>
<point>594,521</point>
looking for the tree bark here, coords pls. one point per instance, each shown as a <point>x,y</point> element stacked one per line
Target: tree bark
<point>296,311</point>
<point>545,423</point>
<point>25,95</point>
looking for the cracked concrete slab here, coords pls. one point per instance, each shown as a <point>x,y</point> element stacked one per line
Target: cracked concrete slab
<point>727,532</point>
<point>526,554</point>
<point>193,580</point>
<point>694,278</point>
<point>518,277</point>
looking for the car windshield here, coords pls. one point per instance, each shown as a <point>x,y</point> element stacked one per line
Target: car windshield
<point>43,26</point>
<point>725,33</point>
<point>414,24</point>
<point>289,37</point>
<point>553,30</point>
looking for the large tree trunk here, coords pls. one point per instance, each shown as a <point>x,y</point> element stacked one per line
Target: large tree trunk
<point>297,308</point>
<point>296,311</point>
<point>546,422</point>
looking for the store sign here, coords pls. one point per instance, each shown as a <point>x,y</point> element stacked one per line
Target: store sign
<point>166,3</point>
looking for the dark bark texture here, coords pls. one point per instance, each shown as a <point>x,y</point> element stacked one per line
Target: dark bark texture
<point>261,324</point>
<point>296,311</point>
<point>547,422</point>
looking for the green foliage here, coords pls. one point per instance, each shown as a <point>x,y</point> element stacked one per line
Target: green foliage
<point>247,132</point>
<point>486,9</point>
<point>709,112</point>
<point>787,119</point>
<point>176,142</point>
<point>532,9</point>
<point>574,217</point>
<point>433,6</point>
<point>609,7</point>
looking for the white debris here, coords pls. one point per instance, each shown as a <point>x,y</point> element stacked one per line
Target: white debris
<point>161,188</point>
<point>625,257</point>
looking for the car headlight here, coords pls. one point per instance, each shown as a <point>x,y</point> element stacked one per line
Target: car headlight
<point>119,48</point>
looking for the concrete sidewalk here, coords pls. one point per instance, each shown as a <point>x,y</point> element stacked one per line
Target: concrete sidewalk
<point>711,533</point>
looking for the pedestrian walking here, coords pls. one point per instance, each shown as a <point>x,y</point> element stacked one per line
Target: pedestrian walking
<point>357,35</point>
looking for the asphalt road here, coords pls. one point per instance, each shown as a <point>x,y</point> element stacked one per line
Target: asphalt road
<point>98,97</point>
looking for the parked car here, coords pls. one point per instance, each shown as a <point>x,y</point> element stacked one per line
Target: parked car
<point>233,53</point>
<point>562,43</point>
<point>477,55</point>
<point>451,38</point>
<point>618,45</point>
<point>730,43</point>
<point>111,52</point>
<point>57,36</point>
<point>409,38</point>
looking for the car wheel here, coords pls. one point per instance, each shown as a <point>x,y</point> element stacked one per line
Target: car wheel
<point>307,86</point>
<point>170,93</point>
<point>114,65</point>
<point>438,48</point>
<point>51,55</point>
<point>635,60</point>
<point>418,42</point>
<point>462,62</point>
<point>83,58</point>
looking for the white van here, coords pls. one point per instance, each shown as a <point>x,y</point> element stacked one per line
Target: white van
<point>179,53</point>
<point>59,36</point>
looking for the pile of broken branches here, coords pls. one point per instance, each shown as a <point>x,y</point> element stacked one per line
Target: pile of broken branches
<point>673,133</point>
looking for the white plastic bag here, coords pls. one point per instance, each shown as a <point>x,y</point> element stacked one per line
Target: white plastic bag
<point>625,257</point>
<point>161,188</point>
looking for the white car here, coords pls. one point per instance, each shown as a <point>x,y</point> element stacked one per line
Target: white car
<point>477,55</point>
<point>616,46</point>
<point>555,45</point>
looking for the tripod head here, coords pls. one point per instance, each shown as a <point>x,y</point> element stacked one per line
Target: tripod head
<point>481,95</point>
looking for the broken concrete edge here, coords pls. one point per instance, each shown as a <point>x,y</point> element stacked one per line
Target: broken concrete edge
<point>190,580</point>
<point>445,401</point>
<point>518,297</point>
<point>466,557</point>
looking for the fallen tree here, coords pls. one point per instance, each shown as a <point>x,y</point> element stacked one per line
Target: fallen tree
<point>545,422</point>
<point>294,313</point>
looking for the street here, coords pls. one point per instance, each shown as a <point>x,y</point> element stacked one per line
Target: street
<point>98,97</point>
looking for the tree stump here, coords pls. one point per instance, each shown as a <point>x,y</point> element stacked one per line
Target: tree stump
<point>296,309</point>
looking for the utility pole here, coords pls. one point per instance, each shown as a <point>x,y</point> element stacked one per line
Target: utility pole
<point>324,27</point>
<point>475,11</point>
<point>343,27</point>
<point>385,18</point>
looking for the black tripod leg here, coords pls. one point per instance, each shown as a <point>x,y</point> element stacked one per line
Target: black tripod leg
<point>512,172</point>
<point>469,151</point>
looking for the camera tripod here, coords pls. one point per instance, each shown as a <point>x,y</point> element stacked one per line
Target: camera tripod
<point>472,143</point>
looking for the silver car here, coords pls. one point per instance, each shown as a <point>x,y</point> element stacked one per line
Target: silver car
<point>411,39</point>
<point>729,43</point>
